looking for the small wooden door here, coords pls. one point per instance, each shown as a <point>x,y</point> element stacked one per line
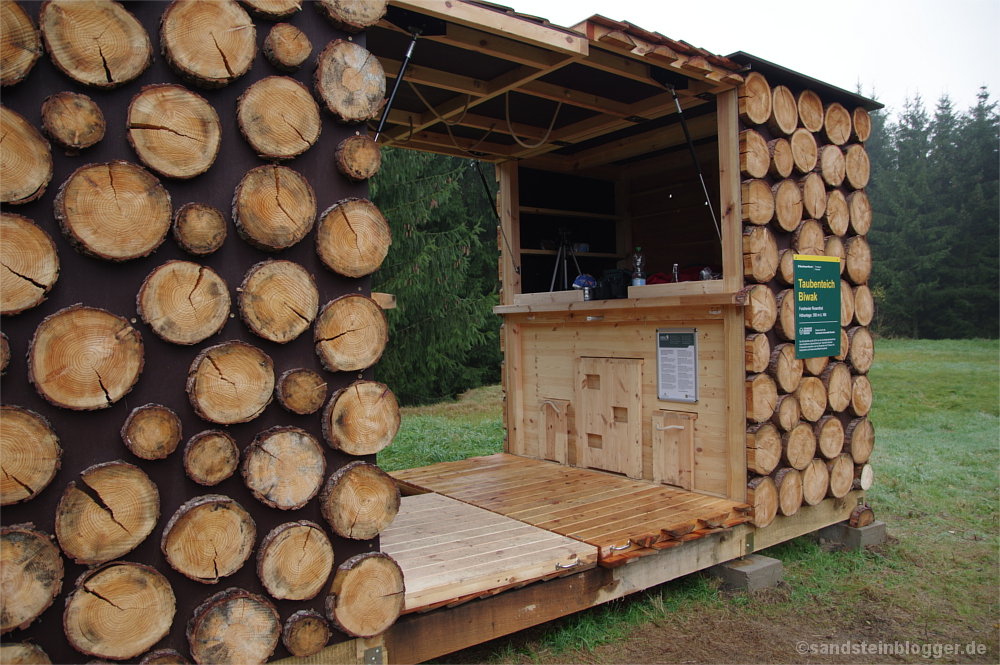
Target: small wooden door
<point>609,414</point>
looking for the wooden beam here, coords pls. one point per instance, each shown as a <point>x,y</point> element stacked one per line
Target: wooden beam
<point>498,47</point>
<point>435,78</point>
<point>473,121</point>
<point>500,23</point>
<point>558,93</point>
<point>807,520</point>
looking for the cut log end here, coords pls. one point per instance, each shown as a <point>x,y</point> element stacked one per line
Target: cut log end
<point>26,169</point>
<point>841,470</point>
<point>353,237</point>
<point>272,10</point>
<point>229,383</point>
<point>754,99</point>
<point>210,457</point>
<point>760,254</point>
<point>184,302</point>
<point>361,419</point>
<point>295,560</point>
<point>366,596</point>
<point>199,229</point>
<point>284,467</point>
<point>761,308</point>
<point>33,575</point>
<point>351,333</point>
<point>784,112</point>
<point>755,158</point>
<point>757,353</point>
<point>815,482</point>
<point>174,131</point>
<point>274,207</point>
<point>209,44</point>
<point>278,300</point>
<point>358,158</point>
<point>359,501</point>
<point>23,653</point>
<point>352,17</point>
<point>152,431</point>
<point>763,448</point>
<point>72,120</point>
<point>20,47</point>
<point>762,495</point>
<point>234,626</point>
<point>301,391</point>
<point>30,261</point>
<point>305,633</point>
<point>208,559</point>
<point>789,485</point>
<point>286,47</point>
<point>30,454</point>
<point>279,118</point>
<point>349,81</point>
<point>164,657</point>
<point>798,446</point>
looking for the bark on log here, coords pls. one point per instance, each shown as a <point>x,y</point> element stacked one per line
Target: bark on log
<point>785,368</point>
<point>864,477</point>
<point>25,162</point>
<point>815,482</point>
<point>23,653</point>
<point>230,383</point>
<point>810,111</point>
<point>284,467</point>
<point>837,218</point>
<point>815,366</point>
<point>861,124</point>
<point>152,431</point>
<point>761,397</point>
<point>813,195</point>
<point>861,395</point>
<point>20,45</point>
<point>754,99</point>
<point>760,254</point>
<point>174,131</point>
<point>183,302</point>
<point>31,261</point>
<point>164,657</point>
<point>305,633</point>
<point>836,124</point>
<point>762,495</point>
<point>834,247</point>
<point>859,439</point>
<point>72,120</point>
<point>358,157</point>
<point>272,10</point>
<point>4,353</point>
<point>784,325</point>
<point>349,82</point>
<point>366,596</point>
<point>295,560</point>
<point>757,352</point>
<point>789,485</point>
<point>209,537</point>
<point>841,470</point>
<point>286,47</point>
<point>210,44</point>
<point>278,300</point>
<point>32,575</point>
<point>98,43</point>
<point>199,229</point>
<point>829,433</point>
<point>858,168</point>
<point>757,202</point>
<point>119,610</point>
<point>812,398</point>
<point>782,161</point>
<point>808,238</point>
<point>798,446</point>
<point>859,260</point>
<point>860,212</point>
<point>361,419</point>
<point>274,207</point>
<point>786,267</point>
<point>353,237</point>
<point>279,118</point>
<point>761,309</point>
<point>65,370</point>
<point>301,391</point>
<point>359,500</point>
<point>831,165</point>
<point>784,116</point>
<point>111,511</point>
<point>787,204</point>
<point>755,158</point>
<point>837,381</point>
<point>763,448</point>
<point>30,454</point>
<point>210,457</point>
<point>861,351</point>
<point>805,152</point>
<point>234,627</point>
<point>350,333</point>
<point>115,211</point>
<point>786,413</point>
<point>352,17</point>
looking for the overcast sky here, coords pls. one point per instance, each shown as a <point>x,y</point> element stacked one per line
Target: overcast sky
<point>899,48</point>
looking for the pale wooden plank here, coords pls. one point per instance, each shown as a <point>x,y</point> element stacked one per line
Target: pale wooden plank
<point>468,541</point>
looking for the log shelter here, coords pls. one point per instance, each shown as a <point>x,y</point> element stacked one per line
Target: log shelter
<point>652,431</point>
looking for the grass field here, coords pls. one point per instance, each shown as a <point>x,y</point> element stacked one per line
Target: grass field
<point>936,460</point>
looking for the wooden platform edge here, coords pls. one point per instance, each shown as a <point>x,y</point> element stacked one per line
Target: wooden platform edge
<point>417,637</point>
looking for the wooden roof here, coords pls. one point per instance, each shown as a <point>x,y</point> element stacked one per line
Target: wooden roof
<point>586,96</point>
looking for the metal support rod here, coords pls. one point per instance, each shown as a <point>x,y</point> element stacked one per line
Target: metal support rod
<point>399,79</point>
<point>697,165</point>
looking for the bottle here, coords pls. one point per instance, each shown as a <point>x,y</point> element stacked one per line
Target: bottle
<point>677,276</point>
<point>638,268</point>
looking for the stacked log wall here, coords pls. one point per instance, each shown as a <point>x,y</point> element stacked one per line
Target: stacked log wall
<point>92,437</point>
<point>775,228</point>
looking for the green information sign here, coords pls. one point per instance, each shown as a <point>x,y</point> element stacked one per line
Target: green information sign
<point>817,306</point>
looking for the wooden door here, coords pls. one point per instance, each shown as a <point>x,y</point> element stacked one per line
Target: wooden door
<point>609,414</point>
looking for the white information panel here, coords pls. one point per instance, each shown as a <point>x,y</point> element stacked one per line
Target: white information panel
<point>677,364</point>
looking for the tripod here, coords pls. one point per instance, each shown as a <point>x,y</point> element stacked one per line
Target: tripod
<point>562,258</point>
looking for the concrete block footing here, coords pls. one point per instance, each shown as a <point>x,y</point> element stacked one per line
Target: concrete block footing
<point>750,573</point>
<point>854,538</point>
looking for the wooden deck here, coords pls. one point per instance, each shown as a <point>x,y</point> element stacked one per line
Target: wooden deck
<point>451,551</point>
<point>623,518</point>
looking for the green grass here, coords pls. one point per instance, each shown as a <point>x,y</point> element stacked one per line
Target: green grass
<point>937,454</point>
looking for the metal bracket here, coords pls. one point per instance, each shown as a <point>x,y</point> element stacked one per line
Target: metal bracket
<point>373,656</point>
<point>749,546</point>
